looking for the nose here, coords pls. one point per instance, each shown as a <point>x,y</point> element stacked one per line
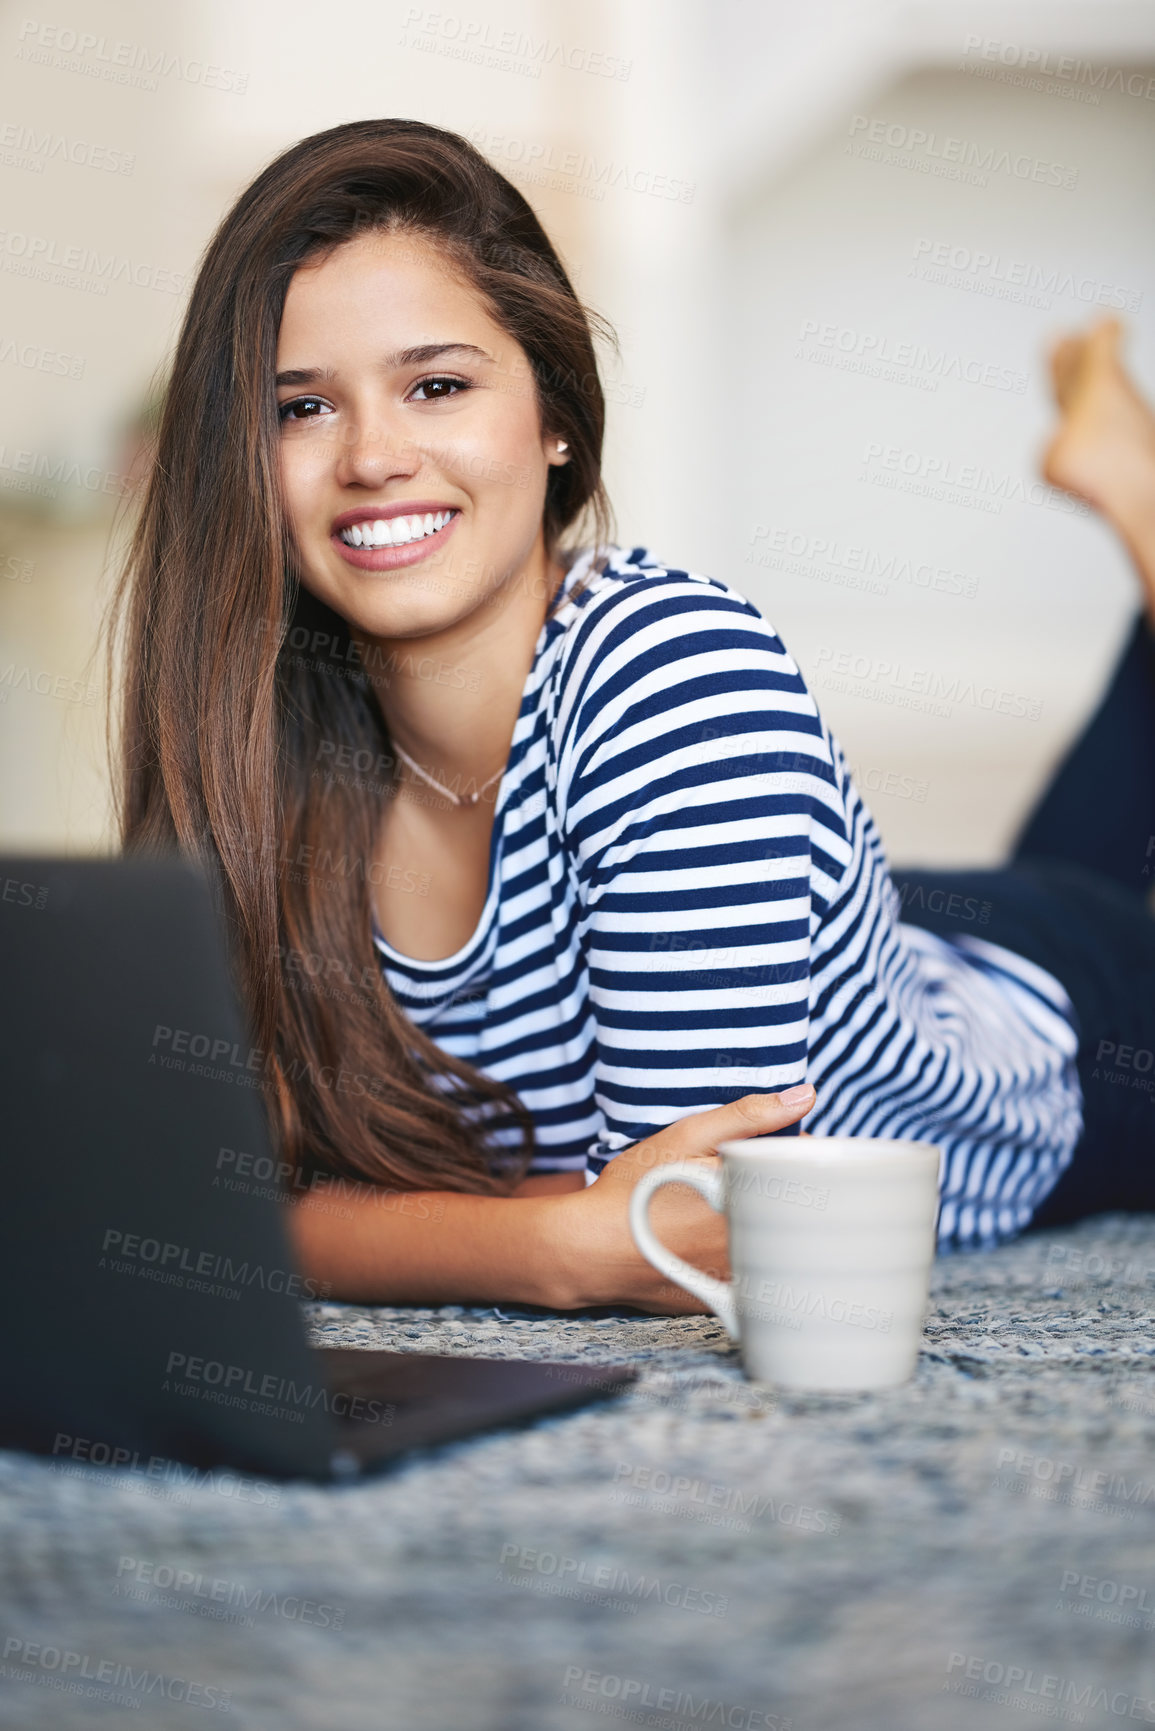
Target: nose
<point>371,451</point>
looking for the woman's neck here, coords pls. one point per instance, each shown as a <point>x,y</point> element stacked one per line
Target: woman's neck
<point>451,699</point>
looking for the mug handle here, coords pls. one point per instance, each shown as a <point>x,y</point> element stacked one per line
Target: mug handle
<point>718,1294</point>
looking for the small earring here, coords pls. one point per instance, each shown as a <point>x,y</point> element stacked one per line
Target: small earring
<point>561,446</point>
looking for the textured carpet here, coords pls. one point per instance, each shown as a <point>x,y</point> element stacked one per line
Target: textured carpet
<point>972,1548</point>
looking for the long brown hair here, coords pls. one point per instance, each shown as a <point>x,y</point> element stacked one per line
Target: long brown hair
<point>237,683</point>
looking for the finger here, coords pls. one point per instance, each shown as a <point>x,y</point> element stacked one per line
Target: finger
<point>752,1115</point>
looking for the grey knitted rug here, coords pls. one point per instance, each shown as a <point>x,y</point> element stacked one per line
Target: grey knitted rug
<point>972,1548</point>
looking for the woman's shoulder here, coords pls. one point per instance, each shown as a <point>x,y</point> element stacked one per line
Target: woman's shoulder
<point>609,574</point>
<point>646,644</point>
<point>671,687</point>
<point>629,601</point>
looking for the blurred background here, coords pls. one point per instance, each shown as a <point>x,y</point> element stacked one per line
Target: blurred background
<point>836,240</point>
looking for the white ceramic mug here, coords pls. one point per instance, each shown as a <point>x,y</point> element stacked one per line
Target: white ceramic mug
<point>831,1243</point>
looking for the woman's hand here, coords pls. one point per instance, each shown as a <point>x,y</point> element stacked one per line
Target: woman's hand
<point>602,1264</point>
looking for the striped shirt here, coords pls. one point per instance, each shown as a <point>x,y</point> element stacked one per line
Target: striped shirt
<point>688,901</point>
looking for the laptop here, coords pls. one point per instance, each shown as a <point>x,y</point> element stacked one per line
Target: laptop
<point>152,1301</point>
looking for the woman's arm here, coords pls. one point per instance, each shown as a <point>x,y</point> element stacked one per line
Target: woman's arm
<point>430,1247</point>
<point>560,1250</point>
<point>706,833</point>
<point>550,1184</point>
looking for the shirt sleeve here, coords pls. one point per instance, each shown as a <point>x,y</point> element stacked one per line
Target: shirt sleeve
<point>741,932</point>
<point>704,823</point>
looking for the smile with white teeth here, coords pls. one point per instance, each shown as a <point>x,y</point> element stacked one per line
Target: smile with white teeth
<point>395,531</point>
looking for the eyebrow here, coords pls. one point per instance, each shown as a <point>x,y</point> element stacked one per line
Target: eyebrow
<point>415,357</point>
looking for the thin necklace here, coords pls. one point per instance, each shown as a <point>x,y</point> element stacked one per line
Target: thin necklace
<point>456,798</point>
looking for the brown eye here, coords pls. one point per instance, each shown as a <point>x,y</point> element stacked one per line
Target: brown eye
<point>437,389</point>
<point>301,409</point>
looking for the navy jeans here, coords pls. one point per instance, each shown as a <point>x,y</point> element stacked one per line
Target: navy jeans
<point>1074,900</point>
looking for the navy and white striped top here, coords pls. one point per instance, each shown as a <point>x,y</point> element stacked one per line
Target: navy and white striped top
<point>688,902</point>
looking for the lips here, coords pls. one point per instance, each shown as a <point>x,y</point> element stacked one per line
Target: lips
<point>391,535</point>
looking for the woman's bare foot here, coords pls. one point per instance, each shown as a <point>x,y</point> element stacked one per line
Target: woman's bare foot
<point>1104,448</point>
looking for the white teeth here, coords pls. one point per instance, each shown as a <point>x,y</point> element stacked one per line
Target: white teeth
<point>395,531</point>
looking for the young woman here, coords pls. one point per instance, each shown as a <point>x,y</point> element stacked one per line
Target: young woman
<point>540,862</point>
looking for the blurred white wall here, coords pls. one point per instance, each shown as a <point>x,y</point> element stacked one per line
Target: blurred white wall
<point>691,161</point>
<point>890,398</point>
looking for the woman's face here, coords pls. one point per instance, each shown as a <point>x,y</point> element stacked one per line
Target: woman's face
<point>413,461</point>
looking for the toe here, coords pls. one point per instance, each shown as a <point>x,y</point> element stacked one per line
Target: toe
<point>1066,360</point>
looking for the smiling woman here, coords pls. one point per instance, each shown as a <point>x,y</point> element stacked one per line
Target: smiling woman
<point>380,333</point>
<point>351,265</point>
<point>399,463</point>
<point>574,805</point>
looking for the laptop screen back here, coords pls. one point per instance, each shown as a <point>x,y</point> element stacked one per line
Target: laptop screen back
<point>142,1240</point>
